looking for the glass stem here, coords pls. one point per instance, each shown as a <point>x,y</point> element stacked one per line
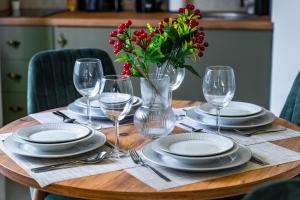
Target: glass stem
<point>89,110</point>
<point>218,121</point>
<point>170,96</point>
<point>117,141</point>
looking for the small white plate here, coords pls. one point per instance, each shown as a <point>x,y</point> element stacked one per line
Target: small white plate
<point>53,133</point>
<point>243,155</point>
<point>195,144</point>
<point>93,143</point>
<point>196,160</point>
<point>53,146</point>
<point>233,109</point>
<point>263,120</point>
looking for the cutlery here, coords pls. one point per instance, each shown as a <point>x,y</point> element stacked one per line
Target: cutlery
<point>94,159</point>
<point>66,119</point>
<point>138,160</point>
<point>260,131</point>
<point>192,128</point>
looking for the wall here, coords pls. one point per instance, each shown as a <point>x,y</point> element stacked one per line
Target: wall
<point>286,42</point>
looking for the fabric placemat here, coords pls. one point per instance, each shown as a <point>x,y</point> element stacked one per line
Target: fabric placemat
<point>46,178</point>
<point>264,150</point>
<point>246,140</point>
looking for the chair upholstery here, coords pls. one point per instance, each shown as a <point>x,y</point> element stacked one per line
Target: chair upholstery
<point>291,109</point>
<point>278,190</point>
<point>50,77</point>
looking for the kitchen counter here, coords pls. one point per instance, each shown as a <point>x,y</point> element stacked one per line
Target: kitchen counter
<point>112,19</point>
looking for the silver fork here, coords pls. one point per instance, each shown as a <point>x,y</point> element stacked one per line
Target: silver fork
<point>138,160</point>
<point>94,159</point>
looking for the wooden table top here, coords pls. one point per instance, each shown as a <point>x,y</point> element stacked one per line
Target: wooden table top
<point>119,185</point>
<point>113,19</point>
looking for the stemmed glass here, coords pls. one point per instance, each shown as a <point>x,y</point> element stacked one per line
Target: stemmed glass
<point>87,77</point>
<point>218,88</point>
<point>115,101</point>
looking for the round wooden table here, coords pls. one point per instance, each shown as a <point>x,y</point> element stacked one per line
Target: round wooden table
<point>119,185</point>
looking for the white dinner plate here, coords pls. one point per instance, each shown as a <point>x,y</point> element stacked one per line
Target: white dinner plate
<point>53,132</point>
<point>243,155</point>
<point>233,109</point>
<point>53,146</point>
<point>263,120</point>
<point>196,160</point>
<point>195,144</point>
<point>231,120</point>
<point>96,141</point>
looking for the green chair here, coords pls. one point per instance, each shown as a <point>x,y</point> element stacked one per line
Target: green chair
<point>50,81</point>
<point>277,190</point>
<point>50,77</point>
<point>291,109</point>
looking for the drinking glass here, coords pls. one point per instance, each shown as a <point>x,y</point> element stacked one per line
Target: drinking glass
<point>87,77</point>
<point>115,101</point>
<point>218,88</point>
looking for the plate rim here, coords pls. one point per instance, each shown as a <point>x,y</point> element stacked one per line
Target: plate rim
<point>193,134</point>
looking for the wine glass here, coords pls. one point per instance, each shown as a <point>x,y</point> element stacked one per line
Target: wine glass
<point>87,77</point>
<point>218,88</point>
<point>115,101</point>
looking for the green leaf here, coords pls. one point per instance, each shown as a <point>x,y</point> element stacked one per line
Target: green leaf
<point>191,69</point>
<point>121,59</point>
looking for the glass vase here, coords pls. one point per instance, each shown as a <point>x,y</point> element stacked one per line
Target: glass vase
<point>155,118</point>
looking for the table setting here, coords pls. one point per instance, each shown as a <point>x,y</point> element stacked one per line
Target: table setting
<point>218,138</point>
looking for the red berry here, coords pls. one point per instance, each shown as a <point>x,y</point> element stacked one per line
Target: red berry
<point>137,32</point>
<point>133,39</point>
<point>152,34</point>
<point>192,7</point>
<point>202,33</point>
<point>187,21</point>
<point>200,54</point>
<point>202,48</point>
<point>141,37</point>
<point>148,40</point>
<point>129,22</point>
<point>121,31</point>
<point>188,6</point>
<point>145,35</point>
<point>113,34</point>
<point>197,45</point>
<point>138,42</point>
<point>116,51</point>
<point>197,12</point>
<point>111,42</point>
<point>121,26</point>
<point>181,10</point>
<point>127,25</point>
<point>142,31</point>
<point>128,72</point>
<point>166,20</point>
<point>144,46</point>
<point>127,65</point>
<point>205,44</point>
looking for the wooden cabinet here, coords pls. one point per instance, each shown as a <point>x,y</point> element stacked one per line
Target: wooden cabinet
<point>18,44</point>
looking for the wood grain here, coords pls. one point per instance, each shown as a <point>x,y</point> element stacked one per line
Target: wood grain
<point>119,185</point>
<point>112,19</point>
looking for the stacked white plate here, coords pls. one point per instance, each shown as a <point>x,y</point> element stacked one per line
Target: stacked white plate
<point>54,140</point>
<point>237,115</point>
<point>196,152</point>
<point>79,107</point>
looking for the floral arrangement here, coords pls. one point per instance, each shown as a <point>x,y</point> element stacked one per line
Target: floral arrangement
<point>172,42</point>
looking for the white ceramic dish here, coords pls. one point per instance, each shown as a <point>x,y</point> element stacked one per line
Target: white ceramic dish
<point>96,141</point>
<point>53,133</point>
<point>243,155</point>
<point>233,109</point>
<point>231,120</point>
<point>266,119</point>
<point>53,146</point>
<point>197,160</point>
<point>195,144</point>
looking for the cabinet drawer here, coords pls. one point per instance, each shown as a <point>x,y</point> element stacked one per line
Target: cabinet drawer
<point>14,106</point>
<point>22,42</point>
<point>14,75</point>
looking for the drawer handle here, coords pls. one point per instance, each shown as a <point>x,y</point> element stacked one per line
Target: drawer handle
<point>62,41</point>
<point>14,76</point>
<point>13,43</point>
<point>15,109</point>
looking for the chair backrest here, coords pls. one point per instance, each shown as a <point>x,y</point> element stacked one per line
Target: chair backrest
<point>281,190</point>
<point>291,108</point>
<point>50,77</point>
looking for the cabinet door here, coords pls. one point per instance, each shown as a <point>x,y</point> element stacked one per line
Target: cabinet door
<point>18,42</point>
<point>14,75</point>
<point>14,106</point>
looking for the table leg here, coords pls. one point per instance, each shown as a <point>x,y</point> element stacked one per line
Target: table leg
<point>38,195</point>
